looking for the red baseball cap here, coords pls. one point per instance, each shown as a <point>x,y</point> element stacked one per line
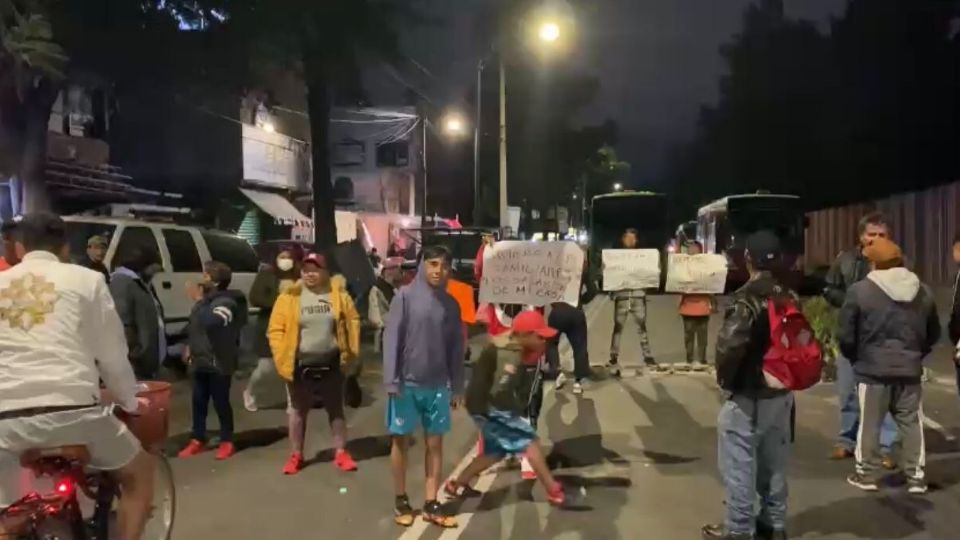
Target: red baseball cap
<point>316,259</point>
<point>532,321</point>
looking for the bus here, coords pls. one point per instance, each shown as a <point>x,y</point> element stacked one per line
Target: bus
<point>613,213</point>
<point>724,225</point>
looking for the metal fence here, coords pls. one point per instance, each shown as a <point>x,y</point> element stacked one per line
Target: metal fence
<point>922,222</point>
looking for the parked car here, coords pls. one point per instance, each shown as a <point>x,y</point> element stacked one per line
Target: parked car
<point>182,249</point>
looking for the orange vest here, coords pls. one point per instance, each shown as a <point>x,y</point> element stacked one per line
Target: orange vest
<point>463,294</point>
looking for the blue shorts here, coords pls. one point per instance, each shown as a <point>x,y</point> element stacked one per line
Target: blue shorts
<point>416,406</point>
<point>504,433</point>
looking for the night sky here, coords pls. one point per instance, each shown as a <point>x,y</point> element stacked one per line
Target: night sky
<point>657,61</point>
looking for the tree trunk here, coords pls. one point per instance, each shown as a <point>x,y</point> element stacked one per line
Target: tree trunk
<point>36,109</point>
<point>318,106</point>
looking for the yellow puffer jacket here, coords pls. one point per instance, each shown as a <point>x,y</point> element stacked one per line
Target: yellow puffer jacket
<point>283,332</point>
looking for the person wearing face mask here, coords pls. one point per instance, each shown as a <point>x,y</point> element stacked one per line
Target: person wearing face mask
<point>140,310</point>
<point>269,284</point>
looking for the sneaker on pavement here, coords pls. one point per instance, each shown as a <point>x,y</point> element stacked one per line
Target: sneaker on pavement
<point>651,363</point>
<point>294,464</point>
<point>560,382</point>
<point>578,388</point>
<point>249,403</point>
<point>344,461</point>
<point>193,448</point>
<point>766,532</point>
<point>402,511</point>
<point>718,531</point>
<point>435,513</point>
<point>226,450</point>
<point>916,487</point>
<point>613,368</point>
<point>860,481</point>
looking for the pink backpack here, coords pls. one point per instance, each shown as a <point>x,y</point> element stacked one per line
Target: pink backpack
<point>794,360</point>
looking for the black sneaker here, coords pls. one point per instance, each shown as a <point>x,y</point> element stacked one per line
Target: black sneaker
<point>718,531</point>
<point>862,482</point>
<point>402,511</point>
<point>613,367</point>
<point>916,487</point>
<point>435,513</point>
<point>651,363</point>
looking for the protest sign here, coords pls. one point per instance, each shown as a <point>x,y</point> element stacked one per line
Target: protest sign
<point>533,273</point>
<point>705,274</point>
<point>631,269</point>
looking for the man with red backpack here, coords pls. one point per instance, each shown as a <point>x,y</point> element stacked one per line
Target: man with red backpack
<point>765,350</point>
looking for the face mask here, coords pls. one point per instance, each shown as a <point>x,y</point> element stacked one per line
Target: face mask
<point>285,265</point>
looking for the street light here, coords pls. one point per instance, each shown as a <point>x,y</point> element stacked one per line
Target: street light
<point>549,31</point>
<point>618,186</point>
<point>454,125</point>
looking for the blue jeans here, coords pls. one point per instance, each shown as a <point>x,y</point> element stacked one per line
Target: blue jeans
<point>850,412</point>
<point>753,449</point>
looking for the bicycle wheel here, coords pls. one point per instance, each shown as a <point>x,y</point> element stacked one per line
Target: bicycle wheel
<point>160,524</point>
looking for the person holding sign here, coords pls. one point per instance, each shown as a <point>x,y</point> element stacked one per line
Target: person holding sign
<point>630,302</point>
<point>695,310</point>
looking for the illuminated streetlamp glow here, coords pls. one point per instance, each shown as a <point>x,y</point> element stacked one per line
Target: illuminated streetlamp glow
<point>454,125</point>
<point>269,127</point>
<point>618,186</point>
<point>549,32</point>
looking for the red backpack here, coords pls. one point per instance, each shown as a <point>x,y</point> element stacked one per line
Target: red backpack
<point>795,358</point>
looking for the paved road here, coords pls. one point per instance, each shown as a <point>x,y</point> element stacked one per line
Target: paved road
<point>643,449</point>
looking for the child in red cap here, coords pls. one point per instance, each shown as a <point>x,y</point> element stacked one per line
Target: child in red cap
<point>498,396</point>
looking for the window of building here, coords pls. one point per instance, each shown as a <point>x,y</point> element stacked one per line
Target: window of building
<point>395,154</point>
<point>349,152</point>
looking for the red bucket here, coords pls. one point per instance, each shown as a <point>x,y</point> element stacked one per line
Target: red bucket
<point>152,426</point>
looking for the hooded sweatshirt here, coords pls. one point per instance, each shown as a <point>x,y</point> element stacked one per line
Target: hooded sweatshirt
<point>213,332</point>
<point>888,325</point>
<point>423,343</point>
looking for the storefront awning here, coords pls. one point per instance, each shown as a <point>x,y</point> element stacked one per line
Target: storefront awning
<point>275,205</point>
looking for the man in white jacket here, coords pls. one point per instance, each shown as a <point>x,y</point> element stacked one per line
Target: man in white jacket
<point>60,335</point>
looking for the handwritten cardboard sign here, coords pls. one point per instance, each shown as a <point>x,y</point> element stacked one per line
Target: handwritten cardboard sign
<point>631,269</point>
<point>705,274</point>
<point>532,273</point>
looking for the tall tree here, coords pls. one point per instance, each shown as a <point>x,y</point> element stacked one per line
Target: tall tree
<point>326,43</point>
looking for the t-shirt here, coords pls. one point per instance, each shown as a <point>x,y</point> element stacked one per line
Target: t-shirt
<point>318,334</point>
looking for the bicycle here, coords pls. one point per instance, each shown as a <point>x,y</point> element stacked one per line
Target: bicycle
<point>82,503</point>
<point>48,516</point>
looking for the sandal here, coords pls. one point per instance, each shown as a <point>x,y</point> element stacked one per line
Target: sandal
<point>403,512</point>
<point>433,512</point>
<point>456,490</point>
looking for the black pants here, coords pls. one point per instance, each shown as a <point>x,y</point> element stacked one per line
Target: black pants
<point>695,338</point>
<point>571,322</point>
<point>207,386</point>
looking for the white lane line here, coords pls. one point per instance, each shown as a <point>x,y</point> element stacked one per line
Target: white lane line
<point>467,510</point>
<point>927,421</point>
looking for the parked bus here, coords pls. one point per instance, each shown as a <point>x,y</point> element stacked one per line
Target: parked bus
<point>724,225</point>
<point>613,213</point>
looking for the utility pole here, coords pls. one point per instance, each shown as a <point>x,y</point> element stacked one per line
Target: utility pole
<point>477,132</point>
<point>504,214</point>
<point>423,201</point>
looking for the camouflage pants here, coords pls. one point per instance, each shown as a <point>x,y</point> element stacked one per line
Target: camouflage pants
<point>637,308</point>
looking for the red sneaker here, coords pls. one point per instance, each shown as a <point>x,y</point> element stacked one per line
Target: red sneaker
<point>192,449</point>
<point>294,464</point>
<point>557,497</point>
<point>226,450</point>
<point>344,461</point>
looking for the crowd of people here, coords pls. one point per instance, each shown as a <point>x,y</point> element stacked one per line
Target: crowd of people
<point>64,329</point>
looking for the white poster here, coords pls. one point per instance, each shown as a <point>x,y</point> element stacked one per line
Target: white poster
<point>274,159</point>
<point>706,273</point>
<point>631,269</point>
<point>531,273</point>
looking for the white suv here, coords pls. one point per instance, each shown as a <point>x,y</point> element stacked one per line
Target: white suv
<point>183,251</point>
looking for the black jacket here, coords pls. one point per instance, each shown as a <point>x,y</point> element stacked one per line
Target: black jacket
<point>744,338</point>
<point>213,333</point>
<point>888,325</point>
<point>137,307</point>
<point>848,268</point>
<point>954,326</point>
<point>263,295</point>
<point>86,262</point>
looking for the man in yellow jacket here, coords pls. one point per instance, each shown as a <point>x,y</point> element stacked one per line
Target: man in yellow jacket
<point>314,335</point>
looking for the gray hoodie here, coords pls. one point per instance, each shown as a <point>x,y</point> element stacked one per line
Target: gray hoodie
<point>888,325</point>
<point>423,342</point>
